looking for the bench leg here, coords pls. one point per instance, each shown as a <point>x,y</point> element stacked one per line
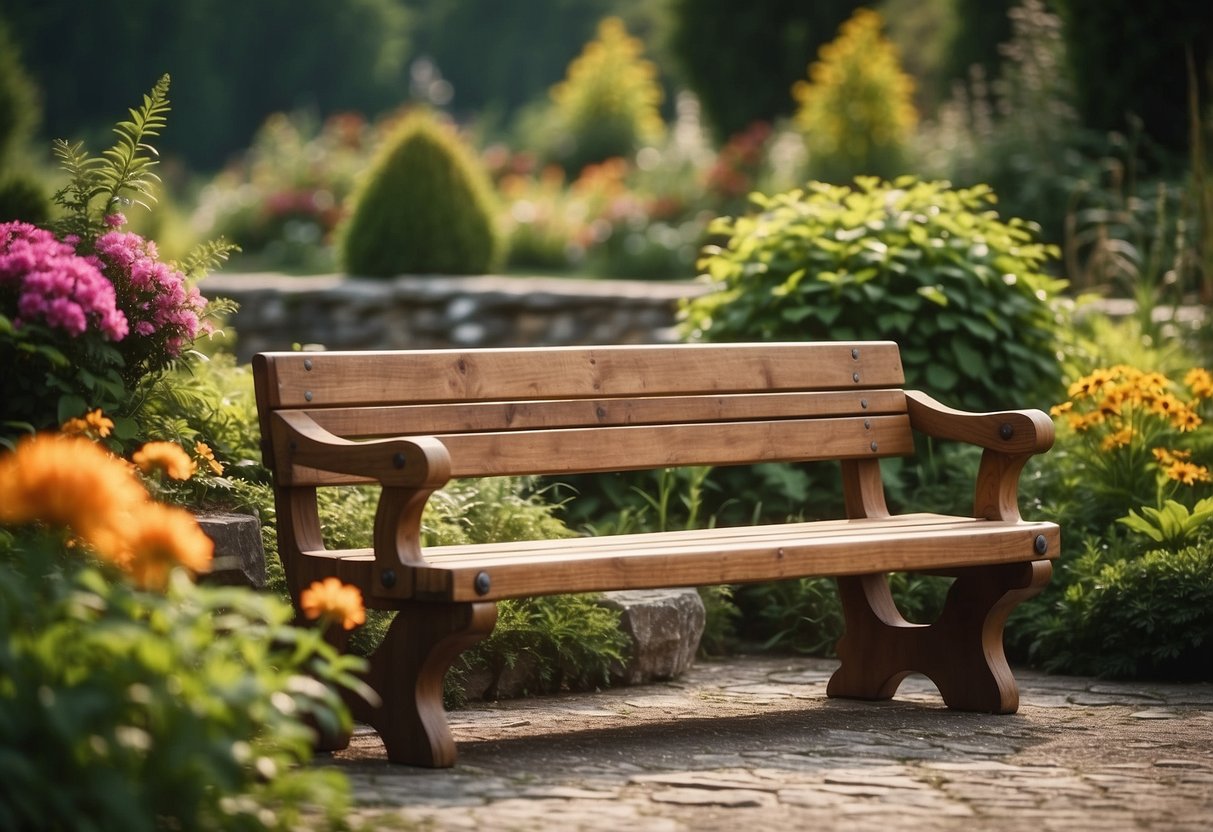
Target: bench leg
<point>962,652</point>
<point>407,672</point>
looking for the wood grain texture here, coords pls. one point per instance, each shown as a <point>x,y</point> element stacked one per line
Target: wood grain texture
<point>962,652</point>
<point>421,376</point>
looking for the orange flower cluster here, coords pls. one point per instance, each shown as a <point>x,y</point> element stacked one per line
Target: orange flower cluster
<point>332,600</point>
<point>1120,406</point>
<point>70,481</point>
<point>94,425</point>
<point>167,457</point>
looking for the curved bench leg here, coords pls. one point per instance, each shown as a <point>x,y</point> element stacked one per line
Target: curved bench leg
<point>407,672</point>
<point>962,652</point>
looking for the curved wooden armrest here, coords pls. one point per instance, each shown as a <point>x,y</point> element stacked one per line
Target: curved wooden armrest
<point>417,462</point>
<point>1009,438</point>
<point>1009,432</point>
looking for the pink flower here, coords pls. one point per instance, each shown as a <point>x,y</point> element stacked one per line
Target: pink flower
<point>55,286</point>
<point>115,220</point>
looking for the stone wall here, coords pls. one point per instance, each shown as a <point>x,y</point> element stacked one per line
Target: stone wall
<point>431,312</point>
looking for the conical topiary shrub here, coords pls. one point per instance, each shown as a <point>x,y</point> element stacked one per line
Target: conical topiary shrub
<point>424,207</point>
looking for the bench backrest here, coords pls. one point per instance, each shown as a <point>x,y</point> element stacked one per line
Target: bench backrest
<point>580,409</point>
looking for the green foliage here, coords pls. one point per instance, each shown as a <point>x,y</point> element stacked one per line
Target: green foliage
<point>23,197</point>
<point>235,63</point>
<point>740,59</point>
<point>19,113</point>
<point>1172,525</point>
<point>933,268</point>
<point>424,207</point>
<point>1128,62</point>
<point>1134,617</point>
<point>607,105</point>
<point>1018,131</point>
<point>127,709</point>
<point>856,111</point>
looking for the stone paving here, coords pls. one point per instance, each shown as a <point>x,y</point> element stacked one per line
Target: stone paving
<point>754,742</point>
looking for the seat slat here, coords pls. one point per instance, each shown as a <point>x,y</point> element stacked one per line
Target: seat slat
<point>336,379</point>
<point>699,557</point>
<point>414,420</point>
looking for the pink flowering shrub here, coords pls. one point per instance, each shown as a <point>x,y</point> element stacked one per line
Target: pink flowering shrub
<point>43,280</point>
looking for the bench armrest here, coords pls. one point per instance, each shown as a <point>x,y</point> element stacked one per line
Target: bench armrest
<point>1010,432</point>
<point>1009,438</point>
<point>417,462</point>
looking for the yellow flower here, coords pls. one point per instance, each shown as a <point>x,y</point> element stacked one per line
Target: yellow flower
<point>1166,456</point>
<point>1080,422</point>
<point>1167,405</point>
<point>1059,409</point>
<point>167,457</point>
<point>205,453</point>
<point>160,538</point>
<point>1200,382</point>
<point>333,601</point>
<point>1186,420</point>
<point>1187,473</point>
<point>69,481</point>
<point>1119,439</point>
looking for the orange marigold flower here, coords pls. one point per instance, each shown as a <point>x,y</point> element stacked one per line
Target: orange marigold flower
<point>94,423</point>
<point>167,457</point>
<point>1118,439</point>
<point>332,600</point>
<point>160,538</point>
<point>1200,382</point>
<point>69,481</point>
<point>1187,473</point>
<point>207,455</point>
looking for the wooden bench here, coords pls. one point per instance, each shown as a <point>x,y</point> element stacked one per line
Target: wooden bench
<point>413,420</point>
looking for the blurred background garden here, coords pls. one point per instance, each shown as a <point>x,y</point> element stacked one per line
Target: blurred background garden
<point>1018,192</point>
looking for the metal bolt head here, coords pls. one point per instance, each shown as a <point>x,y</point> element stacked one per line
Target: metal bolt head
<point>855,353</point>
<point>874,446</point>
<point>307,395</point>
<point>1006,431</point>
<point>398,461</point>
<point>388,578</point>
<point>855,377</point>
<point>1041,545</point>
<point>483,583</point>
<point>307,364</point>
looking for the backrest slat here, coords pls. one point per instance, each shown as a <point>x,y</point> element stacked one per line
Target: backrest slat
<point>321,379</point>
<point>415,420</point>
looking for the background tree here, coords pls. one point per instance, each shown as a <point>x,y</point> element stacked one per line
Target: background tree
<point>232,63</point>
<point>1128,60</point>
<point>741,58</point>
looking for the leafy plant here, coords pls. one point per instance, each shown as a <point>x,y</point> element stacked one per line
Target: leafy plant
<point>424,207</point>
<point>934,268</point>
<point>1172,525</point>
<point>1133,617</point>
<point>129,697</point>
<point>856,110</point>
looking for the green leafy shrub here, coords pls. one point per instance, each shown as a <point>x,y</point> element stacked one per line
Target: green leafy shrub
<point>933,268</point>
<point>1134,617</point>
<point>856,110</point>
<point>19,113</point>
<point>424,207</point>
<point>608,103</point>
<point>23,197</point>
<point>129,697</point>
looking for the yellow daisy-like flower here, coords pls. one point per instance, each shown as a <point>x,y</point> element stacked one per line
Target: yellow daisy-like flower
<point>167,457</point>
<point>1200,382</point>
<point>205,453</point>
<point>161,538</point>
<point>1118,439</point>
<point>1186,420</point>
<point>1167,405</point>
<point>332,600</point>
<point>1187,473</point>
<point>1166,456</point>
<point>1059,409</point>
<point>69,481</point>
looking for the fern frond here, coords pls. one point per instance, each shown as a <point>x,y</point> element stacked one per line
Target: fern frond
<point>206,256</point>
<point>128,163</point>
